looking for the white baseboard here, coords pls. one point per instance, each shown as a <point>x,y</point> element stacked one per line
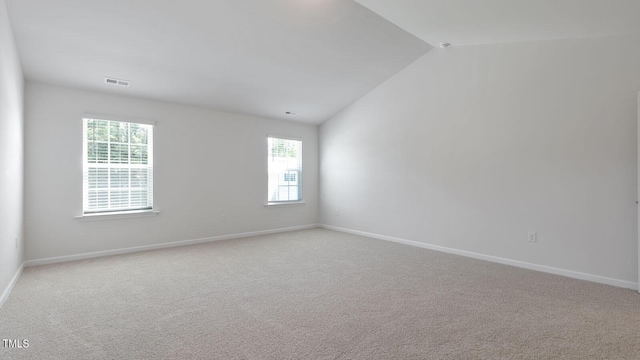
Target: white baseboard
<point>496,259</point>
<point>7,291</point>
<point>59,259</point>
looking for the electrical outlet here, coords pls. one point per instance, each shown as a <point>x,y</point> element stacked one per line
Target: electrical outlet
<point>16,243</point>
<point>221,218</point>
<point>533,237</point>
<point>337,212</point>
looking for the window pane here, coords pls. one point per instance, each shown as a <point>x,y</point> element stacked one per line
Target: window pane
<point>98,178</point>
<point>97,152</point>
<point>91,152</point>
<point>139,154</point>
<point>138,134</point>
<point>97,130</point>
<point>138,198</point>
<point>119,153</point>
<point>98,199</point>
<point>119,199</point>
<point>118,131</point>
<point>119,178</point>
<point>139,178</point>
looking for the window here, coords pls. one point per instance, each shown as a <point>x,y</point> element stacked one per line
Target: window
<point>285,170</point>
<point>117,166</point>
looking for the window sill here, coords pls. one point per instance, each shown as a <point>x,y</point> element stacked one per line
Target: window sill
<point>285,203</point>
<point>117,215</point>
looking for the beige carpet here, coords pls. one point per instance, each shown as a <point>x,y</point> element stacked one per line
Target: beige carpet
<point>314,294</point>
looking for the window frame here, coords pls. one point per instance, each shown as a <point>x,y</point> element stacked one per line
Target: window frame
<point>299,173</point>
<point>101,214</point>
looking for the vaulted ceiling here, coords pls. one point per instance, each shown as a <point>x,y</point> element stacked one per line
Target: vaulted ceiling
<point>470,22</point>
<point>269,57</point>
<point>259,57</point>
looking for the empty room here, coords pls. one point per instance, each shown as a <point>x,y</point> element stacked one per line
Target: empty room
<point>319,179</point>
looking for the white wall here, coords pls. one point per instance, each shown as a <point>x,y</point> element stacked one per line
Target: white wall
<point>11,154</point>
<point>472,147</point>
<point>206,164</point>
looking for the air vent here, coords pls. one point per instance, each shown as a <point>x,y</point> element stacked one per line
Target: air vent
<point>118,82</point>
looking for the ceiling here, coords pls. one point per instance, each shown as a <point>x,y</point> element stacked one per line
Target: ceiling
<point>468,22</point>
<point>267,57</point>
<point>258,57</point>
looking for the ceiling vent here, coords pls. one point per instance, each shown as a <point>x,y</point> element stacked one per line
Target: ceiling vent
<point>117,82</point>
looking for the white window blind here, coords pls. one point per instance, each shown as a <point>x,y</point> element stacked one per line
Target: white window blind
<point>117,166</point>
<point>285,170</point>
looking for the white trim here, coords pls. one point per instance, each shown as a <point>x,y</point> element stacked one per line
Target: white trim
<point>117,215</point>
<point>12,283</point>
<point>496,259</point>
<point>285,203</point>
<point>59,259</point>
